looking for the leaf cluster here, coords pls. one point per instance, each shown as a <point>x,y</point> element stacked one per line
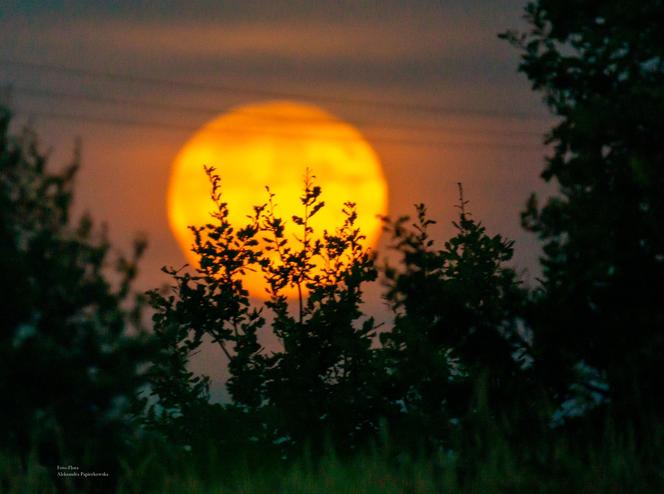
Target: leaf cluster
<point>332,378</point>
<point>600,68</point>
<point>456,324</point>
<point>71,340</point>
<point>320,378</point>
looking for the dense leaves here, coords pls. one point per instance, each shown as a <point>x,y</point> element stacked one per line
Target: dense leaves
<point>322,379</point>
<point>600,67</point>
<point>71,342</point>
<point>456,327</point>
<point>209,305</point>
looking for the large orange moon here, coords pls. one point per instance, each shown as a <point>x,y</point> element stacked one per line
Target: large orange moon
<point>273,144</point>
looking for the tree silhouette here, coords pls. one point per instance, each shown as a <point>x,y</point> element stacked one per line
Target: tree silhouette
<point>322,380</point>
<point>71,342</point>
<point>325,381</point>
<point>212,302</point>
<point>455,325</point>
<point>600,68</point>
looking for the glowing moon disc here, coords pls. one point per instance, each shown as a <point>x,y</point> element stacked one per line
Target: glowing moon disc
<point>273,144</point>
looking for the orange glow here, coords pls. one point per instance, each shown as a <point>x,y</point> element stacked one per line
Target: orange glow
<point>273,144</point>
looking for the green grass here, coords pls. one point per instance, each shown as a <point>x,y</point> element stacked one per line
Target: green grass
<point>618,465</point>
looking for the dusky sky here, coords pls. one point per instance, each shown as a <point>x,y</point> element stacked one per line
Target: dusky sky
<point>429,84</point>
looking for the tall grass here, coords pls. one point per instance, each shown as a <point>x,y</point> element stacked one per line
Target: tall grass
<point>558,465</point>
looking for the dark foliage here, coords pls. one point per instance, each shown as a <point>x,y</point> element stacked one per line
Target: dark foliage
<point>323,381</point>
<point>211,303</point>
<point>473,366</point>
<point>71,343</point>
<point>456,327</point>
<point>455,356</point>
<point>600,67</point>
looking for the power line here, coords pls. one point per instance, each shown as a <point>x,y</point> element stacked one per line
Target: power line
<point>124,122</point>
<point>198,110</point>
<point>197,86</point>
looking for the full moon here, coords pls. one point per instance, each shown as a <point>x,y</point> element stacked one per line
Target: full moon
<point>274,144</point>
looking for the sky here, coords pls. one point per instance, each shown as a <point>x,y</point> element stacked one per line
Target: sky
<point>428,84</point>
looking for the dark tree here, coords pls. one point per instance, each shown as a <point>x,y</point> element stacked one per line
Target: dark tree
<point>326,379</point>
<point>600,67</point>
<point>212,302</point>
<point>71,342</point>
<point>322,381</point>
<point>456,323</point>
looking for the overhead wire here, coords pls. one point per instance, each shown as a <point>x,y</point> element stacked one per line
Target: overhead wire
<point>205,110</point>
<point>236,89</point>
<point>142,103</point>
<point>125,122</point>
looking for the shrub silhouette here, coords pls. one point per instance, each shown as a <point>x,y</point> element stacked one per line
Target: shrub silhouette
<point>71,342</point>
<point>323,378</point>
<point>455,326</point>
